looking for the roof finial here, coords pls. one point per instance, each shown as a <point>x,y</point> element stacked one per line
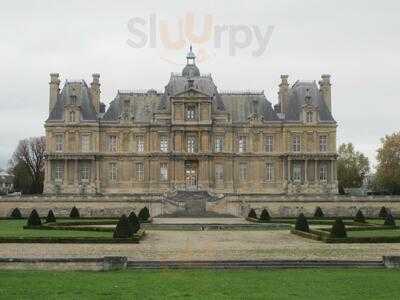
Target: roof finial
<point>190,47</point>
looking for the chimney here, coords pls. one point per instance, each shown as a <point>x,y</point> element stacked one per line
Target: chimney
<point>95,91</point>
<point>283,93</point>
<point>325,90</point>
<point>54,90</point>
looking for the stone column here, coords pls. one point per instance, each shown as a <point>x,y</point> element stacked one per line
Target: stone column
<point>97,176</point>
<point>289,171</point>
<point>316,171</point>
<point>332,172</point>
<point>65,179</point>
<point>305,170</point>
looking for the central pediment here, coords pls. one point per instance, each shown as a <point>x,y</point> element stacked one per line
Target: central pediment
<point>191,93</point>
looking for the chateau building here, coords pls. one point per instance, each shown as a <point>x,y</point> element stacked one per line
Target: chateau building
<point>190,137</point>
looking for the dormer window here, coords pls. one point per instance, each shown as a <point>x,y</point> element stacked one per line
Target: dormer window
<point>309,117</point>
<point>73,100</point>
<point>190,112</point>
<point>71,116</point>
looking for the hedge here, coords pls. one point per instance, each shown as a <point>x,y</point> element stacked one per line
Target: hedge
<point>252,214</point>
<point>301,223</point>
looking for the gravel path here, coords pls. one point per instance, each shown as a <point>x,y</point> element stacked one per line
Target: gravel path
<point>209,245</point>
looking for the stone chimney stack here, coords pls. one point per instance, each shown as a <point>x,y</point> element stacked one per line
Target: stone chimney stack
<point>95,91</point>
<point>325,90</point>
<point>54,90</point>
<point>283,94</point>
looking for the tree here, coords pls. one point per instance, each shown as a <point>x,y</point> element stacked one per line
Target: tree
<point>134,220</point>
<point>34,219</point>
<point>302,224</point>
<point>16,214</point>
<point>27,165</point>
<point>318,213</point>
<point>338,229</point>
<point>50,217</point>
<point>388,168</point>
<point>74,214</point>
<point>359,218</point>
<point>252,214</point>
<point>383,212</point>
<point>144,214</point>
<point>352,167</point>
<point>265,215</point>
<point>389,220</point>
<point>124,229</point>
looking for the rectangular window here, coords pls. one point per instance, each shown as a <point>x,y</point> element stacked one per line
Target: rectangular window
<point>113,171</point>
<point>219,144</point>
<point>84,171</point>
<point>242,144</point>
<point>269,143</point>
<point>112,143</point>
<point>190,112</point>
<point>163,171</point>
<point>85,143</point>
<point>269,172</point>
<point>323,143</point>
<point>140,143</point>
<point>309,117</point>
<point>59,142</point>
<point>191,144</point>
<point>323,172</point>
<point>219,173</point>
<point>296,172</point>
<point>59,171</point>
<point>163,143</point>
<point>243,171</point>
<point>296,146</point>
<point>139,171</point>
<point>72,116</point>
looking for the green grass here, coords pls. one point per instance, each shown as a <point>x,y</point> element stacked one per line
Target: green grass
<point>374,233</point>
<point>203,284</point>
<point>13,228</point>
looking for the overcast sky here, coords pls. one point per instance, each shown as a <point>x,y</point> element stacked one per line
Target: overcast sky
<point>357,42</point>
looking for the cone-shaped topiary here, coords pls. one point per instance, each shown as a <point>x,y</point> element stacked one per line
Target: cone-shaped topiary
<point>318,212</point>
<point>144,214</point>
<point>383,212</point>
<point>252,214</point>
<point>34,219</point>
<point>16,214</point>
<point>50,217</point>
<point>389,220</point>
<point>134,220</point>
<point>265,215</point>
<point>124,229</point>
<point>359,218</point>
<point>74,213</point>
<point>301,223</point>
<point>338,229</point>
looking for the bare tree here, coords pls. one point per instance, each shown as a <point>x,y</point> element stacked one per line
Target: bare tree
<point>27,165</point>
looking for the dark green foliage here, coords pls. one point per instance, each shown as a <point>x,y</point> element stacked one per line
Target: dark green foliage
<point>134,220</point>
<point>265,215</point>
<point>359,218</point>
<point>318,213</point>
<point>50,217</point>
<point>383,212</point>
<point>74,213</point>
<point>301,223</point>
<point>144,214</point>
<point>252,214</point>
<point>389,220</point>
<point>124,229</point>
<point>338,229</point>
<point>16,214</point>
<point>34,219</point>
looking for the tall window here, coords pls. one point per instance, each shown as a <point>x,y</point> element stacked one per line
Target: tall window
<point>296,146</point>
<point>59,171</point>
<point>219,173</point>
<point>163,143</point>
<point>269,172</point>
<point>323,172</point>
<point>243,171</point>
<point>219,144</point>
<point>269,143</point>
<point>139,171</point>
<point>140,143</point>
<point>242,144</point>
<point>59,142</point>
<point>191,144</point>
<point>296,172</point>
<point>113,171</point>
<point>84,171</point>
<point>190,112</point>
<point>163,171</point>
<point>309,117</point>
<point>323,143</point>
<point>72,116</point>
<point>85,143</point>
<point>112,143</point>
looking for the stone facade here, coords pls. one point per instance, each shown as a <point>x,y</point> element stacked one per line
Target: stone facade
<point>190,137</point>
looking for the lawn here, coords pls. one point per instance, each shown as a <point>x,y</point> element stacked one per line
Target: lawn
<point>13,228</point>
<point>374,233</point>
<point>203,284</point>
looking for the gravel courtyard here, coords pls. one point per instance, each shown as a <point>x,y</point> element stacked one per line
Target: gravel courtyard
<point>209,245</point>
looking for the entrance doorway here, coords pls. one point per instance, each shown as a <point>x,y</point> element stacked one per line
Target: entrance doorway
<point>191,175</point>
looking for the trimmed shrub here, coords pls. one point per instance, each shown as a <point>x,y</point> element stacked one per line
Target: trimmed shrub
<point>134,220</point>
<point>16,214</point>
<point>265,215</point>
<point>252,214</point>
<point>383,213</point>
<point>50,217</point>
<point>34,219</point>
<point>318,213</point>
<point>338,229</point>
<point>359,218</point>
<point>74,213</point>
<point>302,224</point>
<point>144,214</point>
<point>124,229</point>
<point>389,220</point>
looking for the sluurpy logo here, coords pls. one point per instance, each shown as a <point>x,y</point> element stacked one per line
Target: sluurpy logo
<point>153,33</point>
